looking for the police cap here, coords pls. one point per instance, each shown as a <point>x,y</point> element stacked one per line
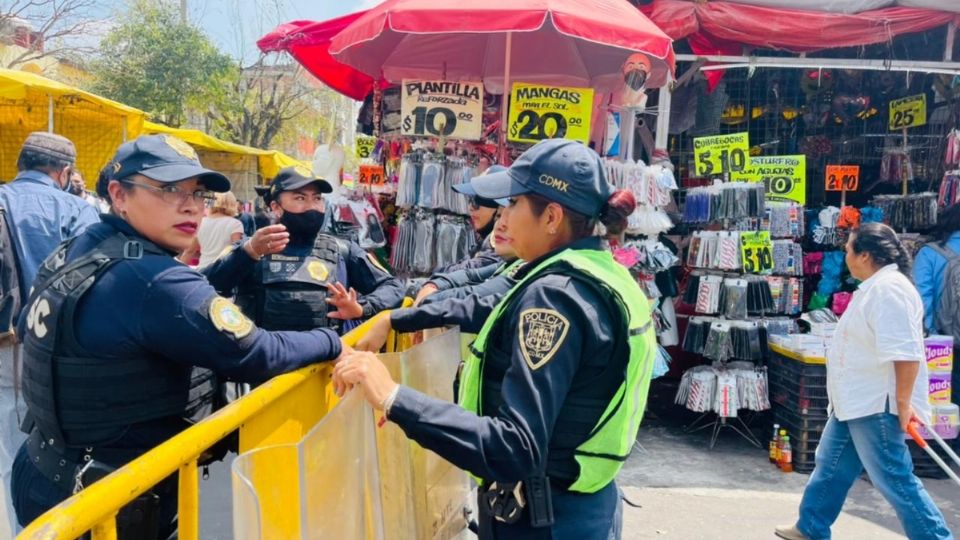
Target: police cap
<point>565,172</point>
<point>467,189</point>
<point>164,158</point>
<point>291,178</point>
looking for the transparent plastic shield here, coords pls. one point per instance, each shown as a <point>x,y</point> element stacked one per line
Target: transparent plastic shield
<point>349,479</point>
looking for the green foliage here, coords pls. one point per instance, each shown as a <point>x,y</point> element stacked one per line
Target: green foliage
<point>155,62</point>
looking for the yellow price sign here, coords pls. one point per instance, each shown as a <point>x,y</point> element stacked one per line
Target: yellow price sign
<point>365,146</point>
<point>784,176</point>
<point>539,112</point>
<point>907,112</point>
<point>756,252</point>
<point>721,153</point>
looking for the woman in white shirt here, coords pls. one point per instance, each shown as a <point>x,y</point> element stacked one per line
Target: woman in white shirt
<point>220,229</point>
<point>876,382</point>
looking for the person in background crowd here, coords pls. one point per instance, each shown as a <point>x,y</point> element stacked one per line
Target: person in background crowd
<point>551,399</point>
<point>220,229</point>
<point>79,188</point>
<point>111,354</point>
<point>930,266</point>
<point>249,223</point>
<point>294,289</point>
<point>39,214</point>
<point>483,217</point>
<point>877,384</point>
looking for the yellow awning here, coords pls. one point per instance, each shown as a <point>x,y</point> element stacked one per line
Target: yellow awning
<point>270,161</point>
<point>96,125</point>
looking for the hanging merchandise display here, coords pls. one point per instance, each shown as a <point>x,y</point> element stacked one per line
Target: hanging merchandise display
<point>736,200</point>
<point>911,212</point>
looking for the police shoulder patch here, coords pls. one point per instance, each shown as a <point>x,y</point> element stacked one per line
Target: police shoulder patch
<point>227,317</point>
<point>318,271</point>
<point>542,332</point>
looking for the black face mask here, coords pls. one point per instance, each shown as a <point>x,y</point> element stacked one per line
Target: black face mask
<point>303,227</point>
<point>635,78</point>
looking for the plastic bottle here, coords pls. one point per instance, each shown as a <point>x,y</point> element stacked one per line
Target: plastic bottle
<point>786,456</point>
<point>780,438</point>
<point>774,442</point>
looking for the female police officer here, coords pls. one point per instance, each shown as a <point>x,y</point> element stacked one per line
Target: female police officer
<point>551,399</point>
<point>114,326</point>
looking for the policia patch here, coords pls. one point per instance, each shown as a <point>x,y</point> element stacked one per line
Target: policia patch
<point>227,317</point>
<point>542,331</point>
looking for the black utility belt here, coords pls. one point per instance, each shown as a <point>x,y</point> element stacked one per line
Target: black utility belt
<point>73,468</point>
<point>507,502</point>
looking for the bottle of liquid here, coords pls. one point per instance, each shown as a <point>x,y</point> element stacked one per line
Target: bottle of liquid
<point>780,439</point>
<point>773,443</point>
<point>786,456</point>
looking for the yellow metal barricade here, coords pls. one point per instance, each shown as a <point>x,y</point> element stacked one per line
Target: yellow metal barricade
<point>272,419</point>
<point>350,479</point>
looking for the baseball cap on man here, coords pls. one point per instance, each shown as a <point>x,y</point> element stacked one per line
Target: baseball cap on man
<point>164,158</point>
<point>468,190</point>
<point>291,178</point>
<point>559,170</point>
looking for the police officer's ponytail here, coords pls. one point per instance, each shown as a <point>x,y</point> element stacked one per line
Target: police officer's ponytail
<point>617,209</point>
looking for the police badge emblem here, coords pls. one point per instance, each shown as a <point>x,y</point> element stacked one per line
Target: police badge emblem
<point>542,331</point>
<point>180,147</point>
<point>227,317</point>
<point>318,271</point>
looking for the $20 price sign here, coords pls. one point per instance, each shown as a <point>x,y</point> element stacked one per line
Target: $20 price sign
<point>756,252</point>
<point>539,112</point>
<point>442,109</point>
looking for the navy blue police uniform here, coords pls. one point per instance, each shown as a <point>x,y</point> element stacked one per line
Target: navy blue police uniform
<point>120,340</point>
<point>288,290</point>
<point>492,280</point>
<point>553,360</point>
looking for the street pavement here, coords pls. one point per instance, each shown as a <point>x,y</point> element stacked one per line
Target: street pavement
<point>686,491</point>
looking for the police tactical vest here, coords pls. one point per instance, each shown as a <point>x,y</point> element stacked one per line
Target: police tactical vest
<point>292,291</point>
<point>77,399</point>
<point>599,453</point>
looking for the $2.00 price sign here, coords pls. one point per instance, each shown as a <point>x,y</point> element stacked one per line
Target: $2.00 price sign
<point>842,178</point>
<point>721,153</point>
<point>442,109</point>
<point>784,176</point>
<point>372,175</point>
<point>756,252</point>
<point>907,112</point>
<point>539,112</point>
<point>364,146</point>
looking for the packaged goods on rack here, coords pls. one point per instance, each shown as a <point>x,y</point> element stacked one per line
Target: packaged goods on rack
<point>426,241</point>
<point>426,179</point>
<point>896,166</point>
<point>786,219</point>
<point>909,212</point>
<point>734,200</point>
<point>357,218</point>
<point>724,390</point>
<point>949,189</point>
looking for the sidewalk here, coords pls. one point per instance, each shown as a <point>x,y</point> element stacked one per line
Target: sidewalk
<point>688,491</point>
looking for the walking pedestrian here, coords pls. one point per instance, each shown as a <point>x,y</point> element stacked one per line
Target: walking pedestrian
<point>877,383</point>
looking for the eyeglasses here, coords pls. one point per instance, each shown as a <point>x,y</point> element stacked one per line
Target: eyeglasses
<point>171,195</point>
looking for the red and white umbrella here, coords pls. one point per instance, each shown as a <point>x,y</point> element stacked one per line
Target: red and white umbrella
<point>559,42</point>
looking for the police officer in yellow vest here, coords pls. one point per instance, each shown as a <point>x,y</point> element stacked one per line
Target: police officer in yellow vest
<point>551,399</point>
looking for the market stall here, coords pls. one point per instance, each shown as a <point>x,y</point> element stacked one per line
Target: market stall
<point>246,167</point>
<point>96,125</point>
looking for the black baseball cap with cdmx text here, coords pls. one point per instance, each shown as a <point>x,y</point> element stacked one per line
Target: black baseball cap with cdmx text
<point>289,179</point>
<point>562,171</point>
<point>164,158</point>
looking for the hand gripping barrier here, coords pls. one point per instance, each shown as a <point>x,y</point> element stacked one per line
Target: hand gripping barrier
<point>278,415</point>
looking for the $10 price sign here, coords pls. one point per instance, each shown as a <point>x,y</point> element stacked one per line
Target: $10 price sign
<point>539,112</point>
<point>784,176</point>
<point>721,153</point>
<point>756,251</point>
<point>442,109</point>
